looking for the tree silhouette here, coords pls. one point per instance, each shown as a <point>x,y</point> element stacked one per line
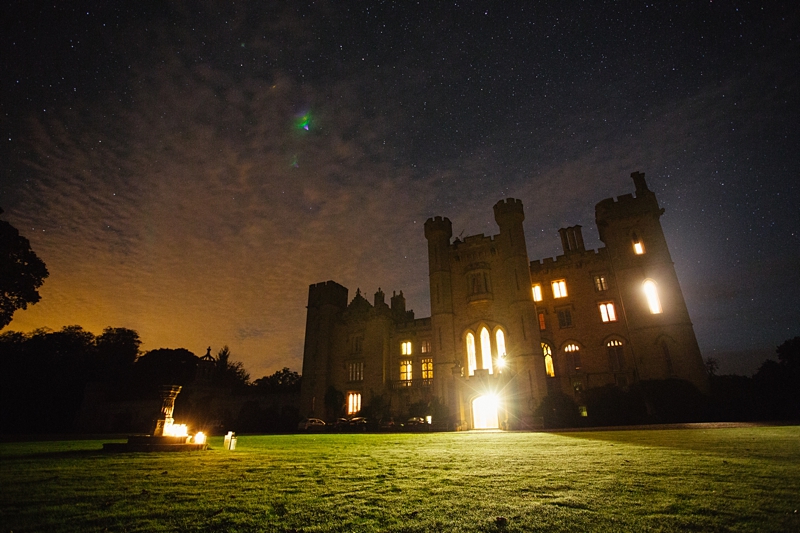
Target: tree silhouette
<point>282,380</point>
<point>21,273</point>
<point>230,373</point>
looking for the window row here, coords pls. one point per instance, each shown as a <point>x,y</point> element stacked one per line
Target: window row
<point>407,349</point>
<point>572,352</point>
<point>607,311</point>
<point>407,372</point>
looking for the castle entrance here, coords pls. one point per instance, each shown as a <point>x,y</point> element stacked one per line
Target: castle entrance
<point>484,412</point>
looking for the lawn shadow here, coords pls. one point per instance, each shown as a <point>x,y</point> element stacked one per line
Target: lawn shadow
<point>701,437</point>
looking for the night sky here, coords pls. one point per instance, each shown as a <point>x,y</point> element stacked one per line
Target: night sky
<point>188,169</point>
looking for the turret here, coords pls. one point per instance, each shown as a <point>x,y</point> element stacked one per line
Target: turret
<point>326,301</point>
<point>572,239</point>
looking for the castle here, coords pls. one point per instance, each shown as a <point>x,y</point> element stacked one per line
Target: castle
<point>505,331</point>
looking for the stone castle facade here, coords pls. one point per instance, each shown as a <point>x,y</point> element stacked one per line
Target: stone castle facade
<point>505,331</point>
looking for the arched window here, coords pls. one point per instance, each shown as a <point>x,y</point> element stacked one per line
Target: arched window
<point>486,350</point>
<point>616,356</point>
<point>500,341</point>
<point>471,360</point>
<point>574,355</point>
<point>651,292</point>
<point>638,245</point>
<point>548,360</point>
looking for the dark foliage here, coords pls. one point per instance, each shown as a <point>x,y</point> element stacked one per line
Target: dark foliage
<point>735,399</point>
<point>283,380</point>
<point>612,406</point>
<point>230,374</point>
<point>674,401</point>
<point>777,384</point>
<point>163,366</point>
<point>43,374</point>
<point>21,273</point>
<point>334,403</point>
<point>558,410</point>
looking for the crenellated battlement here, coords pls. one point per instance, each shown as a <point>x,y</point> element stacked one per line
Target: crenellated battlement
<point>327,293</point>
<point>509,211</point>
<point>567,260</point>
<point>626,205</point>
<point>438,227</point>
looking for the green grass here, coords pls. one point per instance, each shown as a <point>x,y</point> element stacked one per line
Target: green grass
<point>734,479</point>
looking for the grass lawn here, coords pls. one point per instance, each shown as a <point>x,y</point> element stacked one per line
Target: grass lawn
<point>730,479</point>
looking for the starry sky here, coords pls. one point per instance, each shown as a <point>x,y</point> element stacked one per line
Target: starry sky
<point>187,169</point>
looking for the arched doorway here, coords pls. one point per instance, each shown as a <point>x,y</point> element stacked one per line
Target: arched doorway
<point>484,412</point>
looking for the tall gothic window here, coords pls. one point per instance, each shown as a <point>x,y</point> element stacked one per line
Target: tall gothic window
<point>548,360</point>
<point>486,350</point>
<point>472,360</point>
<point>651,292</point>
<point>616,356</point>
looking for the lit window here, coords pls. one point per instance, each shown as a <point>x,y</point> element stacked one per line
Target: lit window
<point>501,342</point>
<point>542,323</point>
<point>537,293</point>
<point>353,403</point>
<point>574,355</point>
<point>356,371</point>
<point>607,312</point>
<point>600,283</point>
<point>405,373</point>
<point>616,357</point>
<point>427,371</point>
<point>564,318</point>
<point>638,246</point>
<point>405,348</point>
<point>486,350</point>
<point>651,292</point>
<point>425,347</point>
<point>548,360</point>
<point>471,359</point>
<point>559,288</point>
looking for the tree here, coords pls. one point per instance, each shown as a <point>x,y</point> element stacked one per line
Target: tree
<point>789,354</point>
<point>230,373</point>
<point>283,380</point>
<point>21,273</point>
<point>712,366</point>
<point>163,366</point>
<point>117,351</point>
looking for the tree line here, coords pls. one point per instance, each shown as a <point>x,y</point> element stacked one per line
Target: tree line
<point>44,375</point>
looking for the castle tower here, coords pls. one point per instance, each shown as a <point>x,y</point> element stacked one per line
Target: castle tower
<point>524,356</point>
<point>326,301</point>
<point>438,232</point>
<point>661,334</point>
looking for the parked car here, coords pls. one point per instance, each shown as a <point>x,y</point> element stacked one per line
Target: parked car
<point>358,423</point>
<point>311,424</point>
<point>417,423</point>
